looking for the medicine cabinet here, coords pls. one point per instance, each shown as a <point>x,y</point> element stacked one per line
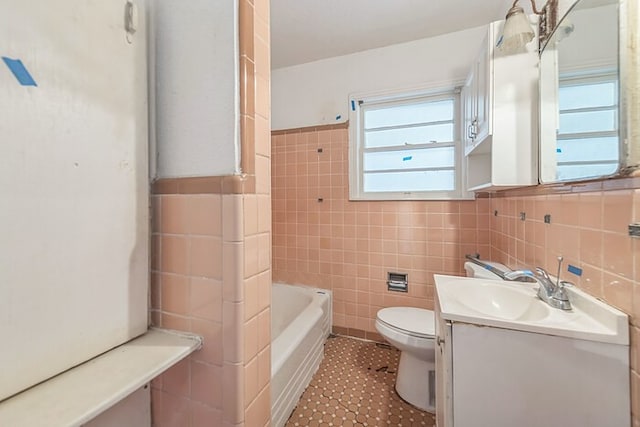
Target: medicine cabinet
<point>589,89</point>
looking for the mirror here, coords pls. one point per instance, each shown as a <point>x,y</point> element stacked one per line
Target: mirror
<point>579,95</point>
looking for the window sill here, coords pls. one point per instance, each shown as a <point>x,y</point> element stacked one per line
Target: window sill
<point>81,393</point>
<point>415,197</point>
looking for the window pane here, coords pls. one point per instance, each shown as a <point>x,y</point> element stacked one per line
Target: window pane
<point>587,95</point>
<point>413,135</point>
<point>565,172</point>
<point>592,121</point>
<point>410,181</point>
<point>410,159</point>
<point>407,114</point>
<point>587,149</point>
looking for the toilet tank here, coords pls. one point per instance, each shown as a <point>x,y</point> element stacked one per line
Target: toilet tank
<point>475,270</point>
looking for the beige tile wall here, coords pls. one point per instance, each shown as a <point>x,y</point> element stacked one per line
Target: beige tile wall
<point>211,276</point>
<point>590,231</point>
<point>349,247</point>
<point>187,295</point>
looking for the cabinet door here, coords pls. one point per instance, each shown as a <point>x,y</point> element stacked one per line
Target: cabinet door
<point>483,94</point>
<point>444,371</point>
<point>466,120</point>
<point>493,366</point>
<point>469,111</point>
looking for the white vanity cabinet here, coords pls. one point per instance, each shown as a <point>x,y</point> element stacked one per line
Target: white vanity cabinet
<point>500,111</point>
<point>491,376</point>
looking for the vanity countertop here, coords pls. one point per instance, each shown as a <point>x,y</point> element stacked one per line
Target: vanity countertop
<point>515,306</point>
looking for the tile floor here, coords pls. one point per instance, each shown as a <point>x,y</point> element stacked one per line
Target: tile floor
<point>354,386</point>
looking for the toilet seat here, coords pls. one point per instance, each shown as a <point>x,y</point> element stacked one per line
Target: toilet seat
<point>415,322</point>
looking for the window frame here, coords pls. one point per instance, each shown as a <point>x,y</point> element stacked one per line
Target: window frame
<point>360,103</point>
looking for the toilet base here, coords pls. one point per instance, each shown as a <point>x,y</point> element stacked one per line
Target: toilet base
<point>415,382</point>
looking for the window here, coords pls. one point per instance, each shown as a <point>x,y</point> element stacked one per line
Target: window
<point>405,147</point>
<point>587,139</point>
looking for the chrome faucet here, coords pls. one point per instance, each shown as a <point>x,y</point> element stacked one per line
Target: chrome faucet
<point>553,294</point>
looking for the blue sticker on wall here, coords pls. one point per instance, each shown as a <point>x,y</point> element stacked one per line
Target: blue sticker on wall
<point>575,270</point>
<point>406,159</point>
<point>19,71</point>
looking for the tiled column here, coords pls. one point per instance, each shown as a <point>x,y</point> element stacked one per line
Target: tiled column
<point>211,266</point>
<point>256,152</point>
<point>186,295</point>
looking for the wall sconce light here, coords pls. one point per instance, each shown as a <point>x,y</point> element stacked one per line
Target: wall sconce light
<point>518,32</point>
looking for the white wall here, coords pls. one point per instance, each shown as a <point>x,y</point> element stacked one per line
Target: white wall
<point>317,93</point>
<point>196,90</point>
<point>74,261</point>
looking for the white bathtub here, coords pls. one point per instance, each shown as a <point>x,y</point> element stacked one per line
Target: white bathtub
<point>300,323</point>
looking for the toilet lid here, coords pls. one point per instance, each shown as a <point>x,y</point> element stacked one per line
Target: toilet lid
<point>414,321</point>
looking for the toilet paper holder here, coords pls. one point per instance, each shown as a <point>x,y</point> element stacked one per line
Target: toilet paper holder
<point>397,282</point>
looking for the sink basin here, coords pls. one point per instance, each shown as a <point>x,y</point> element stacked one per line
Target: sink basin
<point>515,305</point>
<point>504,302</point>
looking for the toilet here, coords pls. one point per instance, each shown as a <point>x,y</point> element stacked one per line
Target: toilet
<point>412,331</point>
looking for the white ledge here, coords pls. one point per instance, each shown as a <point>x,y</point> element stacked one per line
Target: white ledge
<point>81,393</point>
